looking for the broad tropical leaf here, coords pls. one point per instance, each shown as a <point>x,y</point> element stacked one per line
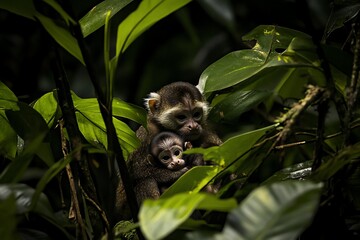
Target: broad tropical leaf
<point>278,211</point>
<point>160,217</point>
<point>276,47</point>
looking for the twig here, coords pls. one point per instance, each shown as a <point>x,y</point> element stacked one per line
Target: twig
<point>80,226</point>
<point>291,117</point>
<point>68,110</point>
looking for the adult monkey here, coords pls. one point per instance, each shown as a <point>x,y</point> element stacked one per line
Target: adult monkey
<point>178,107</point>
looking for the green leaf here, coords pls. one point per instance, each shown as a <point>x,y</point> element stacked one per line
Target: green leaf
<point>276,47</point>
<point>8,138</point>
<point>30,126</point>
<point>225,155</point>
<point>233,105</point>
<point>121,109</point>
<point>147,14</point>
<point>92,126</point>
<point>56,6</point>
<point>277,211</point>
<point>160,217</point>
<point>343,11</point>
<point>192,181</point>
<point>27,122</point>
<point>47,106</point>
<point>23,8</point>
<point>8,99</point>
<point>95,18</point>
<point>335,163</point>
<point>62,36</point>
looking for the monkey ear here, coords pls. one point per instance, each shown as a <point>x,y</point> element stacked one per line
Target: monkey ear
<point>152,102</point>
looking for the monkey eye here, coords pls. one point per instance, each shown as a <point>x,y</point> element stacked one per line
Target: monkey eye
<point>197,115</point>
<point>177,152</point>
<point>180,117</point>
<point>166,158</point>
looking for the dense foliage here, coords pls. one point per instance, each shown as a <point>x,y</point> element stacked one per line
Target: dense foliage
<point>285,104</point>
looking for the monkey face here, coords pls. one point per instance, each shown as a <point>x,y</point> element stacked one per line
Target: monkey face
<point>177,107</point>
<point>171,158</point>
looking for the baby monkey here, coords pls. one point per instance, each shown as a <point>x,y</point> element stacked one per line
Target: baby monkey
<point>163,166</point>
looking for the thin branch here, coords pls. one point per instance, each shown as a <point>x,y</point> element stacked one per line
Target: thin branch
<point>80,226</point>
<point>80,165</point>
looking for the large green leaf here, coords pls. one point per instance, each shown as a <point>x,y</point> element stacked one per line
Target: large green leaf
<point>276,47</point>
<point>95,18</point>
<point>160,217</point>
<point>147,14</point>
<point>92,126</point>
<point>278,211</point>
<point>236,103</point>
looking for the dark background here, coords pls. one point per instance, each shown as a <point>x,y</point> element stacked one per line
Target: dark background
<point>178,48</point>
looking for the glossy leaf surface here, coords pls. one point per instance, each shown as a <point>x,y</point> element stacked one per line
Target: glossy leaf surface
<point>160,217</point>
<point>95,18</point>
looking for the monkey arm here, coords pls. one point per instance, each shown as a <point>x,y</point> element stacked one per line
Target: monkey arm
<point>166,176</point>
<point>145,189</point>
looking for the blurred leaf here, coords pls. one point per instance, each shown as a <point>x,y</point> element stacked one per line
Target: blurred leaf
<point>56,6</point>
<point>47,106</point>
<point>62,36</point>
<point>23,195</point>
<point>8,99</point>
<point>298,171</point>
<point>276,47</point>
<point>16,169</point>
<point>92,126</point>
<point>8,217</point>
<point>192,181</point>
<point>95,18</point>
<point>277,211</point>
<point>160,217</point>
<point>23,8</point>
<point>8,138</point>
<point>147,14</point>
<point>333,164</point>
<point>340,14</point>
<point>236,103</point>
